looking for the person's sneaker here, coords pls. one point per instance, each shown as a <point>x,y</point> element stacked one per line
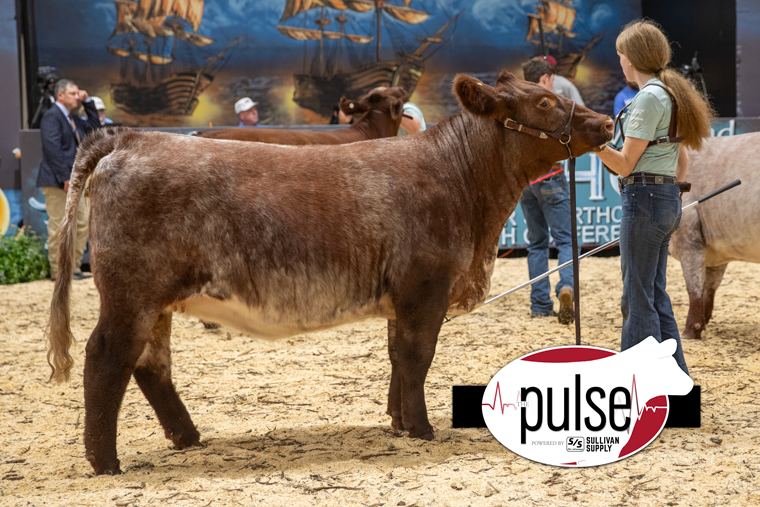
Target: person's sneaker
<point>551,313</point>
<point>566,308</point>
<point>80,276</point>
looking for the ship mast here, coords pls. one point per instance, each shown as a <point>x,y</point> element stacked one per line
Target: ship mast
<point>342,20</point>
<point>322,22</point>
<point>379,12</point>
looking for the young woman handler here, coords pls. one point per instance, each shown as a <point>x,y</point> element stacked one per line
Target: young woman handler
<point>651,163</point>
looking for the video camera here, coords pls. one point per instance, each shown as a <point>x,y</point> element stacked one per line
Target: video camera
<point>693,73</point>
<point>45,79</point>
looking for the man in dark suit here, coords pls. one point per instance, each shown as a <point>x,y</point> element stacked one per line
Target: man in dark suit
<point>62,131</point>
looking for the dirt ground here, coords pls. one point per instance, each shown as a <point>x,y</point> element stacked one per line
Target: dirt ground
<point>301,421</point>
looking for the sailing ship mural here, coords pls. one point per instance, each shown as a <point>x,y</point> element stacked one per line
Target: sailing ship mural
<point>550,29</point>
<point>163,78</point>
<point>329,75</point>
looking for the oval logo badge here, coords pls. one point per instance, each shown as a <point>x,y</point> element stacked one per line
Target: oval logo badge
<point>580,406</point>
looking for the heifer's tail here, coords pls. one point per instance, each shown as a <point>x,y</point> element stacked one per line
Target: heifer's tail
<point>95,146</point>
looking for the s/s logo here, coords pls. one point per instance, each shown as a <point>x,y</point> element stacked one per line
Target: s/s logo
<point>583,406</point>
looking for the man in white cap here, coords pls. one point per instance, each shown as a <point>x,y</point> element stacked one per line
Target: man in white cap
<point>101,107</point>
<point>245,108</point>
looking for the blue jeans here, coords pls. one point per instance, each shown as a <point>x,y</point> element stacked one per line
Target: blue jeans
<point>651,214</point>
<point>547,204</point>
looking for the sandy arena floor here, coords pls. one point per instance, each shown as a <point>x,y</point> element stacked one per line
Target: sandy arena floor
<point>301,421</point>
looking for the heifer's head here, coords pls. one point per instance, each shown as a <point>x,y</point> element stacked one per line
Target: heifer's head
<point>388,102</point>
<point>546,115</point>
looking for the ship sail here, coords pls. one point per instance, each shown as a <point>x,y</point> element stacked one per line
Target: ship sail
<point>405,14</point>
<point>295,7</point>
<point>151,27</point>
<point>180,34</point>
<point>307,34</point>
<point>148,17</point>
<point>189,10</point>
<point>125,10</point>
<point>555,18</point>
<point>154,59</point>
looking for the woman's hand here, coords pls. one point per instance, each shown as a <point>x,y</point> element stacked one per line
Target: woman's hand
<point>623,162</point>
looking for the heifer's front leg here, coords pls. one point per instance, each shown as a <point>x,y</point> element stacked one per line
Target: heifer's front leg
<point>419,314</point>
<point>111,353</point>
<point>394,393</point>
<point>693,266</point>
<point>153,375</point>
<point>713,277</point>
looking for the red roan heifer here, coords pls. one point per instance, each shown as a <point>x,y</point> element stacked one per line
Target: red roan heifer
<point>721,230</point>
<point>376,114</point>
<point>281,240</point>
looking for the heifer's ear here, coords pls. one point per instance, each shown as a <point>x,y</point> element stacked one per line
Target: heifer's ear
<point>397,108</point>
<point>351,106</point>
<point>475,96</point>
<point>506,77</point>
<point>403,94</point>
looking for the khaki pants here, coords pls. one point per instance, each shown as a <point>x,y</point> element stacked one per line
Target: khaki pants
<point>55,201</point>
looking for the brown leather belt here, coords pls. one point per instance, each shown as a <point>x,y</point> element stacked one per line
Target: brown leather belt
<point>649,179</point>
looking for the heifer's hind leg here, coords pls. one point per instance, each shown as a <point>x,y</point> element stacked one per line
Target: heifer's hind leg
<point>419,314</point>
<point>713,277</point>
<point>693,266</point>
<point>111,354</point>
<point>153,375</point>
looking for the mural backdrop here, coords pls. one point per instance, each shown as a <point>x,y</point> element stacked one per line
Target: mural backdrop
<point>185,62</point>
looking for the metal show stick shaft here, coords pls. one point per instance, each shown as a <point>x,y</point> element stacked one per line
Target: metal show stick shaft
<point>606,245</point>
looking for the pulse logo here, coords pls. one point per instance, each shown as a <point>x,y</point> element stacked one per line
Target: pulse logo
<point>580,406</point>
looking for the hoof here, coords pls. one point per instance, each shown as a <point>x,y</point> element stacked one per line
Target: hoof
<point>182,441</point>
<point>109,469</point>
<point>396,421</point>
<point>691,334</point>
<point>423,435</point>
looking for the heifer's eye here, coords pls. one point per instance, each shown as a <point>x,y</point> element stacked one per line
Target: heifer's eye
<point>545,103</point>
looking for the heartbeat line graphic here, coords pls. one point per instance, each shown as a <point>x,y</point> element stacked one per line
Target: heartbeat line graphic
<point>641,411</point>
<point>503,405</point>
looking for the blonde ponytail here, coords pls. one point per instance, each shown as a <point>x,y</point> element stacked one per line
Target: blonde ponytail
<point>694,111</point>
<point>648,50</point>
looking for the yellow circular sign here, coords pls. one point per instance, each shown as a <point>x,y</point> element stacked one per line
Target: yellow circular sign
<point>5,214</point>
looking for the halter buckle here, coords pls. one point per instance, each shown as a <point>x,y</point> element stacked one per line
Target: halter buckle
<point>506,123</point>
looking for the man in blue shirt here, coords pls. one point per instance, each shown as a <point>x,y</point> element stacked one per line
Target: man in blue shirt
<point>245,108</point>
<point>546,205</point>
<point>625,96</point>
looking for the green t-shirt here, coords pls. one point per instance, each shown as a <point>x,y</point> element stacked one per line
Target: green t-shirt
<point>648,117</point>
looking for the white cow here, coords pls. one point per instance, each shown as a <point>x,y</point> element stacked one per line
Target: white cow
<point>723,229</point>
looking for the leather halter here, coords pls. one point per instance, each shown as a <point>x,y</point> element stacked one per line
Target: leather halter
<point>563,137</point>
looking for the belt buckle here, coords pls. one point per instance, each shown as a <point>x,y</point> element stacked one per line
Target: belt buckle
<point>658,180</point>
<point>663,140</point>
